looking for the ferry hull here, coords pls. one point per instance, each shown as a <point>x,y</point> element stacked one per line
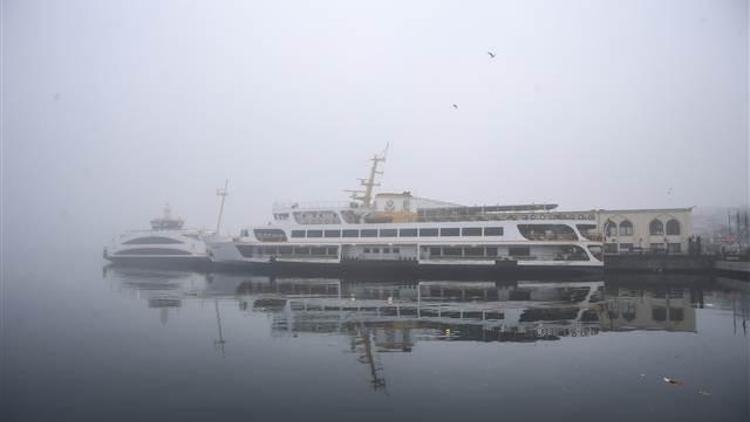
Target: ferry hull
<point>410,270</point>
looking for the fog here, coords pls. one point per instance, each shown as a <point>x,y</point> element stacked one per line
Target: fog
<point>111,109</point>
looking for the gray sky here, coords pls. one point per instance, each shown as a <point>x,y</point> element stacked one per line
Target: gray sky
<point>111,109</point>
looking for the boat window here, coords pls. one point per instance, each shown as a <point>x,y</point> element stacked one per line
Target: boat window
<point>610,248</point>
<point>428,232</point>
<point>269,250</point>
<point>396,250</point>
<point>300,250</point>
<point>315,233</point>
<point>153,251</point>
<point>407,233</point>
<point>350,233</point>
<point>366,250</point>
<point>626,247</point>
<point>317,251</point>
<point>152,240</point>
<point>471,231</point>
<point>452,231</point>
<point>332,233</point>
<point>474,251</point>
<point>493,231</point>
<point>369,233</point>
<point>386,250</point>
<point>589,231</point>
<point>571,253</point>
<point>435,252</point>
<point>332,250</point>
<point>245,250</point>
<point>596,250</point>
<point>317,217</point>
<point>452,251</point>
<point>388,232</point>
<point>270,235</point>
<point>375,250</point>
<point>547,232</point>
<point>519,251</point>
<point>298,233</point>
<point>491,251</point>
<point>285,250</point>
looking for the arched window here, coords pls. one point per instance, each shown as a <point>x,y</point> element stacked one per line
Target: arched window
<point>656,227</point>
<point>626,228</point>
<point>610,228</point>
<point>673,227</point>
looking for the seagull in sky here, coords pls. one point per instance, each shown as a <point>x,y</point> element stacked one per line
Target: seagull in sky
<point>455,106</point>
<point>492,55</point>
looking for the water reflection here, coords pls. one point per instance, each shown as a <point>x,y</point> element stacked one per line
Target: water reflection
<point>395,317</point>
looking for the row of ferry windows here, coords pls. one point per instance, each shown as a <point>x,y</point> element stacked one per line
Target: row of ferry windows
<point>424,232</point>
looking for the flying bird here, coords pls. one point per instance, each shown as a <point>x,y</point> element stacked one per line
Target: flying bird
<point>492,55</point>
<point>455,106</point>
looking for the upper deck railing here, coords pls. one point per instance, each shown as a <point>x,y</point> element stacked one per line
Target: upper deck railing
<point>320,205</point>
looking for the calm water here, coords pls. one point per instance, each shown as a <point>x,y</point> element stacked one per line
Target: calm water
<point>84,344</point>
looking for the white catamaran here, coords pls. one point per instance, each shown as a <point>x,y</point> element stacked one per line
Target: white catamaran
<point>400,232</point>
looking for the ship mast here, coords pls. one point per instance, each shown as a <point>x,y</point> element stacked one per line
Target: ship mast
<point>223,194</point>
<point>366,195</point>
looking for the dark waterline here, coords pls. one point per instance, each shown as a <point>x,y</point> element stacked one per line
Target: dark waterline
<point>127,344</point>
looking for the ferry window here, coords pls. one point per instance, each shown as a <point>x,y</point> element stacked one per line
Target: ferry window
<point>407,233</point>
<point>626,247</point>
<point>270,235</point>
<point>298,233</point>
<point>589,231</point>
<point>547,232</point>
<point>285,250</point>
<point>428,232</point>
<point>388,232</point>
<point>493,231</point>
<point>245,250</point>
<point>519,250</point>
<point>154,240</point>
<point>610,248</point>
<point>246,233</point>
<point>301,251</point>
<point>452,251</point>
<point>269,250</point>
<point>474,251</point>
<point>435,252</point>
<point>333,250</point>
<point>673,227</point>
<point>386,250</point>
<point>375,250</point>
<point>332,233</point>
<point>315,233</point>
<point>596,250</point>
<point>369,233</point>
<point>153,251</point>
<point>491,251</point>
<point>350,233</point>
<point>471,231</point>
<point>396,250</point>
<point>317,251</point>
<point>452,231</point>
<point>366,250</point>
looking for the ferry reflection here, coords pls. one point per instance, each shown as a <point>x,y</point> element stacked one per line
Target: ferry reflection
<point>398,315</point>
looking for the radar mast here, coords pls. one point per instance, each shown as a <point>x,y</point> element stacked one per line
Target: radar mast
<point>369,183</point>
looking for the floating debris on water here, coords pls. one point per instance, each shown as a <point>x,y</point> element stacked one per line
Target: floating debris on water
<point>671,381</point>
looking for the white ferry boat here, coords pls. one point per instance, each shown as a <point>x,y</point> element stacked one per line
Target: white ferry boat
<point>399,232</point>
<point>167,244</point>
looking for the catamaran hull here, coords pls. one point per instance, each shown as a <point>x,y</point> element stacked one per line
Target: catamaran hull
<point>203,263</point>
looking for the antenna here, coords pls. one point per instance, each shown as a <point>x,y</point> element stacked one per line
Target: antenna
<point>223,194</point>
<point>366,195</point>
